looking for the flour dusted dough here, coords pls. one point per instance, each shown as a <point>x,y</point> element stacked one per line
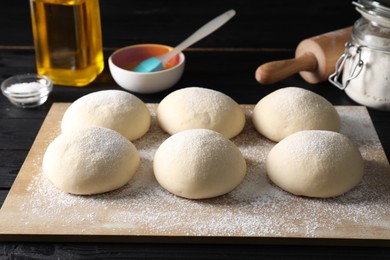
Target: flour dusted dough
<point>113,109</point>
<point>289,110</point>
<point>315,163</point>
<point>198,164</point>
<point>196,107</point>
<point>90,160</point>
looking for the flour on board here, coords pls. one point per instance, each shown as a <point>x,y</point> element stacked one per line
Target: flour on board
<point>255,208</point>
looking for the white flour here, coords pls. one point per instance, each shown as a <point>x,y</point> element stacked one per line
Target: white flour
<point>372,86</point>
<point>255,208</point>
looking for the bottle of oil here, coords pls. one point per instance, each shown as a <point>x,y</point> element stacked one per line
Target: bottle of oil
<point>68,40</point>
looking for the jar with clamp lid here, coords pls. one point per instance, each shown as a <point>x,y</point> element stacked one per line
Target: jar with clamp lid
<point>363,70</point>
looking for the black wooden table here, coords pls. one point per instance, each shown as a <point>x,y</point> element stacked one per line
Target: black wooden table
<point>225,61</point>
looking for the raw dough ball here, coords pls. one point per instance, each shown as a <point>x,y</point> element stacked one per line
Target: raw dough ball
<point>90,160</point>
<point>196,107</point>
<point>289,110</point>
<point>113,109</point>
<point>315,163</point>
<point>198,164</point>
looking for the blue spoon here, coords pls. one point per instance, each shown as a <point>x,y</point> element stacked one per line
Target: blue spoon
<point>157,63</point>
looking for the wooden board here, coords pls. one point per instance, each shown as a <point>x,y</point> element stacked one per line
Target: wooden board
<point>255,212</point>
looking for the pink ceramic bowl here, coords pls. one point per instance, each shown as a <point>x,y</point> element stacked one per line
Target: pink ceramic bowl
<point>123,60</point>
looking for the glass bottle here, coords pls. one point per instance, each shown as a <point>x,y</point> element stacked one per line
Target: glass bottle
<point>68,40</point>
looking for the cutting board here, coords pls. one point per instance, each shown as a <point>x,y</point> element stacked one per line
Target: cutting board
<point>255,212</point>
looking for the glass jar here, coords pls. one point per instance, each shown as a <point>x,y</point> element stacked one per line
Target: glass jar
<point>364,66</point>
<point>68,40</point>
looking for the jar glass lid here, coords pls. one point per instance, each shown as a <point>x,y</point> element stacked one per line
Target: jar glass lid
<point>379,8</point>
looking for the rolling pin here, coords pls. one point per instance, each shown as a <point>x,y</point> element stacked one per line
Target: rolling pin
<point>315,59</point>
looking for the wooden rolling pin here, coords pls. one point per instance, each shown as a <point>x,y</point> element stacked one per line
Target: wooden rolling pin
<point>315,59</point>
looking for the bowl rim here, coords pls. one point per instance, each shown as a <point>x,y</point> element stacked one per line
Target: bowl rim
<point>180,63</point>
<point>23,78</point>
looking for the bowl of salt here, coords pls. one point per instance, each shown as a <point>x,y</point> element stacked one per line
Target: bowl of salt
<point>27,90</point>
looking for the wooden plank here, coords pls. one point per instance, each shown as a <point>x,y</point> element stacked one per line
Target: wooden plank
<point>3,195</point>
<point>382,127</point>
<point>10,166</point>
<point>236,66</point>
<point>183,251</point>
<point>18,134</point>
<point>142,211</point>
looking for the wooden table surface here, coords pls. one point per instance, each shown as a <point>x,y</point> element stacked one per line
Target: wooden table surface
<point>261,31</point>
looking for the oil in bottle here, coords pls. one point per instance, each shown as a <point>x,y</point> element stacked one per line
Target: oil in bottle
<point>68,40</point>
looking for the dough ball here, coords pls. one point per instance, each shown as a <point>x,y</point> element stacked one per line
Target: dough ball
<point>315,163</point>
<point>199,164</point>
<point>289,110</point>
<point>113,109</point>
<point>195,107</point>
<point>90,160</point>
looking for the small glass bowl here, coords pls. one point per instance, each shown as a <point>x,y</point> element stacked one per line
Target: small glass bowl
<point>27,90</point>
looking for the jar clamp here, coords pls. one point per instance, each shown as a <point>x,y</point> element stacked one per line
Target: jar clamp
<point>357,68</point>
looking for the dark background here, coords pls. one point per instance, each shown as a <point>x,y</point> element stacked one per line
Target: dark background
<point>258,23</point>
<point>226,60</point>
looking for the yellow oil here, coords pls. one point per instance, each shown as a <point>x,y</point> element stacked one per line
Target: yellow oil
<point>68,40</point>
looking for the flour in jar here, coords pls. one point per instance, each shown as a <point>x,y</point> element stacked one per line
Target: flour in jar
<point>368,58</point>
<point>371,86</point>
